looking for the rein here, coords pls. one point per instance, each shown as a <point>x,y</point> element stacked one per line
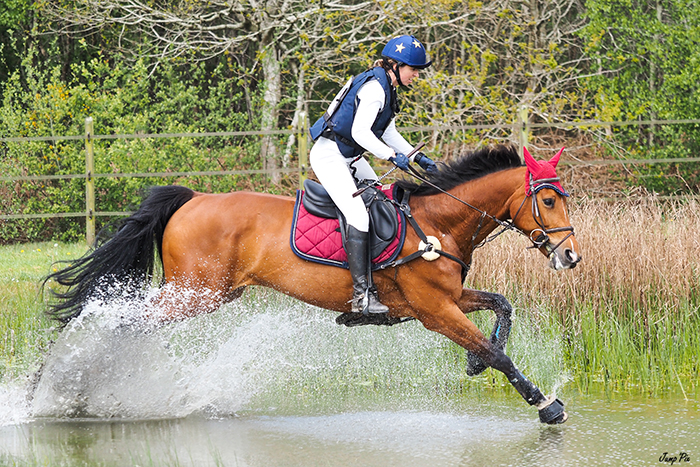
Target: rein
<point>504,224</point>
<point>540,241</point>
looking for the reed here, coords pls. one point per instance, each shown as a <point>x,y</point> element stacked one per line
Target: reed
<point>628,314</point>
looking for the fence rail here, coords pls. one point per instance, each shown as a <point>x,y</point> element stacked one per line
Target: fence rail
<point>521,127</point>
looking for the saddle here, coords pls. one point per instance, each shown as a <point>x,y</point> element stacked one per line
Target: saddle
<point>317,221</point>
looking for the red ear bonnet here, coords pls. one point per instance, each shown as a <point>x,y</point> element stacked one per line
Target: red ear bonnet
<point>544,171</point>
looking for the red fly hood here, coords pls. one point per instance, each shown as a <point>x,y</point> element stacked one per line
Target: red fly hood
<point>542,174</point>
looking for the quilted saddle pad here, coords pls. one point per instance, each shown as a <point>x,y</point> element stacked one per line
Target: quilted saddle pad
<point>319,239</point>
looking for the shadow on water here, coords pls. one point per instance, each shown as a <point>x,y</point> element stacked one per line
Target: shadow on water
<point>270,381</point>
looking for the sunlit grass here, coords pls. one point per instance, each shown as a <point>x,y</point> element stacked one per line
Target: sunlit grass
<point>24,330</point>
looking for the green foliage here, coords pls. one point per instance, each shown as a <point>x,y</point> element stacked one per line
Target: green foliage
<point>647,64</point>
<point>14,20</point>
<point>121,100</point>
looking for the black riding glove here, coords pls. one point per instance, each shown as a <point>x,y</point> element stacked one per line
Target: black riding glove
<point>425,163</point>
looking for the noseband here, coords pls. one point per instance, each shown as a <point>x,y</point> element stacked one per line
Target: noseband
<point>540,237</point>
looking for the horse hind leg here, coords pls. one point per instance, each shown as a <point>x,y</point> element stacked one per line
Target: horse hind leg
<point>473,300</point>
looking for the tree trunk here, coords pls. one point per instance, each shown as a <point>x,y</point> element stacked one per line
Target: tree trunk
<point>270,109</point>
<point>299,108</point>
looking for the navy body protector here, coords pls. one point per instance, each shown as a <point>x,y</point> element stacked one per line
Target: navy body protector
<point>336,124</point>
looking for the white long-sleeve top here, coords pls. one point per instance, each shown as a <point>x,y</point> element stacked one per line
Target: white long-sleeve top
<point>371,100</point>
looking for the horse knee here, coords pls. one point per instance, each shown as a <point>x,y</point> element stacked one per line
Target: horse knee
<point>473,300</point>
<point>501,306</point>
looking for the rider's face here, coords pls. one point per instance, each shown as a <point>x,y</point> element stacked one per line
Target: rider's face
<point>408,74</point>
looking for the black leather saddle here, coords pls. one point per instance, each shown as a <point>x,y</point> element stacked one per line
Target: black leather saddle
<point>383,217</point>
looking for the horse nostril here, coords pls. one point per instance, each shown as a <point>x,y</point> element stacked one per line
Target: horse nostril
<point>571,256</point>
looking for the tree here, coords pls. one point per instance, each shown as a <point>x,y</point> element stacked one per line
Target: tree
<point>14,22</point>
<point>490,58</point>
<point>646,56</point>
<point>262,35</point>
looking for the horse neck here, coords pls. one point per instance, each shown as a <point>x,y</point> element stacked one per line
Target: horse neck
<point>493,194</point>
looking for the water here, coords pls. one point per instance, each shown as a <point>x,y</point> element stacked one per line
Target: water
<point>269,381</point>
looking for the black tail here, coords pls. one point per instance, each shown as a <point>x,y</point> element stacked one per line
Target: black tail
<point>127,256</point>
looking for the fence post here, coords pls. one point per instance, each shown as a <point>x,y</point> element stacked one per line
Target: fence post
<point>89,182</point>
<point>524,129</point>
<point>302,138</point>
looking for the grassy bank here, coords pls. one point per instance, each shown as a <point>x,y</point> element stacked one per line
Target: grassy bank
<point>626,318</point>
<point>25,333</point>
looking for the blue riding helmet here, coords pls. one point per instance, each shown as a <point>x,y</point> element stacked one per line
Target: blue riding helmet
<point>407,50</point>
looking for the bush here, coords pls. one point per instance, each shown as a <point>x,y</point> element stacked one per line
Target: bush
<point>121,100</point>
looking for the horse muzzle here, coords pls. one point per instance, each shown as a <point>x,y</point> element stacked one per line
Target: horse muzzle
<point>563,255</point>
<point>563,258</point>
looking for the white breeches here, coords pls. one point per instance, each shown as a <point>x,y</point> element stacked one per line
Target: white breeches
<point>334,172</point>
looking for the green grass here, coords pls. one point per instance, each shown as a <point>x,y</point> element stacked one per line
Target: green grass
<point>25,333</point>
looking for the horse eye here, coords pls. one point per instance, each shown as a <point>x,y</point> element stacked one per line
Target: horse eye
<point>549,202</point>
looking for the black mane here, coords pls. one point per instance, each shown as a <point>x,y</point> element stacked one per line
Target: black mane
<point>466,167</point>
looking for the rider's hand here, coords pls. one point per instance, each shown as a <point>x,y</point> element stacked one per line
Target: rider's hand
<point>400,161</point>
<point>425,162</point>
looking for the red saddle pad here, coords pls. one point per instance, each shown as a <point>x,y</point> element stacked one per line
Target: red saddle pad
<point>318,239</point>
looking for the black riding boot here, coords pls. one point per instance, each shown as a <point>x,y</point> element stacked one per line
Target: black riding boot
<point>357,249</point>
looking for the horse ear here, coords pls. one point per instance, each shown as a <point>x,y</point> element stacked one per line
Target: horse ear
<point>555,160</point>
<point>532,165</point>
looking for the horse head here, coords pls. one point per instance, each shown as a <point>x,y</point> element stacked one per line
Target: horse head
<point>547,222</point>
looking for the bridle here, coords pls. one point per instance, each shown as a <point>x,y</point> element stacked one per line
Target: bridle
<point>539,237</point>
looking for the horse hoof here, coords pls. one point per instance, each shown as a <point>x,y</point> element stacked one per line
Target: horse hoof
<point>552,411</point>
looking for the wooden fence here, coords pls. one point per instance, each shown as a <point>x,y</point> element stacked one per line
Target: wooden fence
<point>521,129</point>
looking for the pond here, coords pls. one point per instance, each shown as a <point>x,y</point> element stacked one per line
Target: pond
<point>599,432</point>
<point>285,386</point>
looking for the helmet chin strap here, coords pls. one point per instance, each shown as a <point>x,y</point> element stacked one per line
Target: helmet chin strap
<point>397,75</point>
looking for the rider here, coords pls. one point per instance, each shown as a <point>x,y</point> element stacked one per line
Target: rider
<point>362,113</point>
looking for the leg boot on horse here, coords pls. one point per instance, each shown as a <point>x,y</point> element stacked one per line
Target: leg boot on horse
<point>364,297</point>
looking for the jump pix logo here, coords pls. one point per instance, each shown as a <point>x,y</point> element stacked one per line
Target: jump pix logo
<point>671,459</point>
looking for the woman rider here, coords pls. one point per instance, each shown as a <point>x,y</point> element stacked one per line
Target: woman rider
<point>360,115</point>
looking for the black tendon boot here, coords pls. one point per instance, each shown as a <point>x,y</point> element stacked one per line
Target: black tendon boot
<point>357,249</point>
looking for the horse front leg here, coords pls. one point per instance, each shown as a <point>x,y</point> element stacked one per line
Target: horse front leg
<point>457,327</point>
<point>473,300</point>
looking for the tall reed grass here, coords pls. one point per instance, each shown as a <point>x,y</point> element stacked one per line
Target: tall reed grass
<point>628,313</point>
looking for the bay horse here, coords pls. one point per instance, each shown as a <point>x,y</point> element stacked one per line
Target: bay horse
<point>215,245</point>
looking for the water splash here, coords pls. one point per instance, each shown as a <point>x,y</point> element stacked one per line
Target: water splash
<point>262,353</point>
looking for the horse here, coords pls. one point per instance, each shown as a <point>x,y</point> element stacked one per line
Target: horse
<point>216,245</point>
